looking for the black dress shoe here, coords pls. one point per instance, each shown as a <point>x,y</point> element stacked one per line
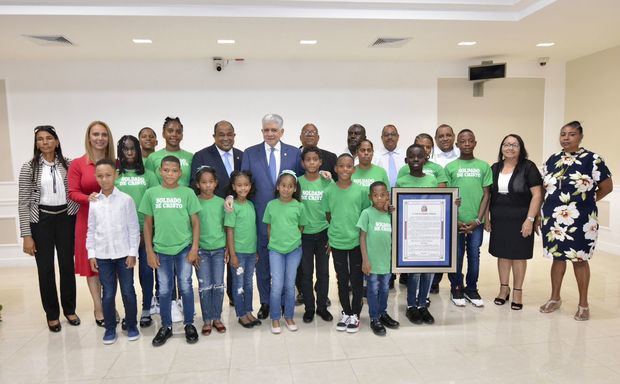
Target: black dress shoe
<point>299,300</point>
<point>324,314</point>
<point>123,325</point>
<point>146,321</point>
<point>99,323</point>
<point>328,302</point>
<point>249,324</point>
<point>191,334</point>
<point>402,279</point>
<point>257,322</point>
<point>414,315</point>
<point>54,328</point>
<point>75,322</point>
<point>263,312</point>
<point>162,336</point>
<point>377,328</point>
<point>308,316</point>
<point>426,316</point>
<point>388,321</point>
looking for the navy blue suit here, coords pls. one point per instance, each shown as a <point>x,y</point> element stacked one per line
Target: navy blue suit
<point>211,156</point>
<point>255,161</point>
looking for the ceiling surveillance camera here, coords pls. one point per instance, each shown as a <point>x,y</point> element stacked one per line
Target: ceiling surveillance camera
<point>542,61</point>
<point>219,63</point>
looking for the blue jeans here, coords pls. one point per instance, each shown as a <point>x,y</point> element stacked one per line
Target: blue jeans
<point>243,281</point>
<point>283,272</point>
<point>377,294</point>
<point>110,271</point>
<point>145,274</point>
<point>211,283</point>
<point>168,265</point>
<point>472,243</point>
<point>263,274</point>
<point>418,288</point>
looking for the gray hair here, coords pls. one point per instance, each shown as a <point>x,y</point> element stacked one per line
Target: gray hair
<point>273,118</point>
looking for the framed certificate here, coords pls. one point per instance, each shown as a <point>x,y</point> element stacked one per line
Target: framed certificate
<point>424,230</point>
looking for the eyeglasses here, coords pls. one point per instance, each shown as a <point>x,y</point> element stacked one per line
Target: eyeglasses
<point>309,133</point>
<point>510,146</point>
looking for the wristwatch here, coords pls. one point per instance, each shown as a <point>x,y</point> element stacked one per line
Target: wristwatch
<point>530,218</point>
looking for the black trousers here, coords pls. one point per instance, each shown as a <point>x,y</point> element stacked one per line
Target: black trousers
<point>437,279</point>
<point>229,284</point>
<point>314,252</point>
<point>348,266</point>
<point>55,232</point>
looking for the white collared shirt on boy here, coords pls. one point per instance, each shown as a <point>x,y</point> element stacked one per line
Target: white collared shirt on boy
<point>443,158</point>
<point>113,229</point>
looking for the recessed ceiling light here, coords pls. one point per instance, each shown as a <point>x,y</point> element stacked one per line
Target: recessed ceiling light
<point>308,42</point>
<point>467,43</point>
<point>225,41</point>
<point>545,44</point>
<point>142,41</point>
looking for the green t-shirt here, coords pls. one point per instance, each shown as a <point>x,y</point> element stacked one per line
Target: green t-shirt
<point>345,206</point>
<point>408,181</point>
<point>470,177</point>
<point>153,164</point>
<point>171,209</point>
<point>378,228</point>
<point>430,168</point>
<point>365,177</point>
<point>311,198</point>
<point>243,220</point>
<point>135,186</point>
<point>212,235</point>
<point>285,220</point>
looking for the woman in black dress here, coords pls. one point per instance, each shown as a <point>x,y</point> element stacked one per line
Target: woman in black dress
<point>516,197</point>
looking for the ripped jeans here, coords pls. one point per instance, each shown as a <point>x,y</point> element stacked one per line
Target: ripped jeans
<point>211,283</point>
<point>243,281</point>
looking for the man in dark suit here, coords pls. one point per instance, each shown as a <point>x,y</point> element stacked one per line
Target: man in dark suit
<point>266,160</point>
<point>224,158</point>
<point>309,137</point>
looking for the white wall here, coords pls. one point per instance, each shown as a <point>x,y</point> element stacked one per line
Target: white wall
<point>131,94</point>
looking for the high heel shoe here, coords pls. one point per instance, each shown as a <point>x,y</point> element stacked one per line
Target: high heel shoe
<point>500,300</point>
<point>98,322</point>
<point>75,322</point>
<point>54,328</point>
<point>516,306</point>
<point>550,306</point>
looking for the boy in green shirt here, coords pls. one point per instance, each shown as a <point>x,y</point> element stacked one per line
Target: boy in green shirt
<point>473,178</point>
<point>375,227</point>
<point>173,134</point>
<point>175,246</point>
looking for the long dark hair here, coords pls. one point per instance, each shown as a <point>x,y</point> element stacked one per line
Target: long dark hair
<point>233,177</point>
<point>37,153</point>
<point>122,159</point>
<point>297,193</point>
<point>522,150</point>
<point>201,171</point>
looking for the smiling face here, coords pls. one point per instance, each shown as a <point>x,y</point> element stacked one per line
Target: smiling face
<point>570,138</point>
<point>242,186</point>
<point>416,158</point>
<point>148,139</point>
<point>98,137</point>
<point>105,175</point>
<point>46,143</point>
<point>344,168</point>
<point>309,136</point>
<point>173,134</point>
<point>272,133</point>
<point>224,136</point>
<point>444,137</point>
<point>389,136</point>
<point>286,187</point>
<point>511,148</point>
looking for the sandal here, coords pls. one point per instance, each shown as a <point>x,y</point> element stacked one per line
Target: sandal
<point>502,301</point>
<point>219,326</point>
<point>583,313</point>
<point>54,327</point>
<point>550,306</point>
<point>206,329</point>
<point>516,306</point>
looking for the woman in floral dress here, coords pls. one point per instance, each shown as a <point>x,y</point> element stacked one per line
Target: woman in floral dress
<point>574,180</point>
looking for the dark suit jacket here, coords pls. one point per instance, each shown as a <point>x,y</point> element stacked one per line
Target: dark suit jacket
<point>255,161</point>
<point>210,156</point>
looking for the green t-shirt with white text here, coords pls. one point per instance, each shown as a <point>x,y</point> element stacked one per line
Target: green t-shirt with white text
<point>284,220</point>
<point>243,220</point>
<point>135,186</point>
<point>212,235</point>
<point>153,164</point>
<point>171,209</point>
<point>470,177</point>
<point>345,206</point>
<point>378,228</point>
<point>312,199</point>
<point>429,168</point>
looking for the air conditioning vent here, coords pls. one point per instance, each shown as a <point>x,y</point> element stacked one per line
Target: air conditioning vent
<point>390,42</point>
<point>50,40</point>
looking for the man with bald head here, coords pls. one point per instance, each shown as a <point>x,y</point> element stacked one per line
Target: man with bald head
<point>445,151</point>
<point>390,157</point>
<point>355,134</point>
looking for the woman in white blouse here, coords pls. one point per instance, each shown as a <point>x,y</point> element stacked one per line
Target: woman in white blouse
<point>47,221</point>
<point>516,197</point>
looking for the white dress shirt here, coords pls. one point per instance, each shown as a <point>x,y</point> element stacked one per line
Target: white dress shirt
<point>231,159</point>
<point>49,174</point>
<point>113,229</point>
<point>276,152</point>
<point>381,158</point>
<point>502,183</point>
<point>355,159</point>
<point>442,158</point>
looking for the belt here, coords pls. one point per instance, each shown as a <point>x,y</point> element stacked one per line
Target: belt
<point>53,210</point>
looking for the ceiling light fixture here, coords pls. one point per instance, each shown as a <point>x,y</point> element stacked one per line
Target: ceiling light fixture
<point>468,43</point>
<point>225,41</point>
<point>142,41</point>
<point>545,44</point>
<point>308,42</point>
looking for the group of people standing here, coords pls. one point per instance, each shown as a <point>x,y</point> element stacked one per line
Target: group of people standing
<point>279,211</point>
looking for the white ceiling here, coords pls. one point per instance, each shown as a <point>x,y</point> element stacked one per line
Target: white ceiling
<point>188,29</point>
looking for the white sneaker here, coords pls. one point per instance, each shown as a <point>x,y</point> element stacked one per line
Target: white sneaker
<point>354,324</point>
<point>154,306</point>
<point>457,298</point>
<point>176,310</point>
<point>342,324</point>
<point>474,298</point>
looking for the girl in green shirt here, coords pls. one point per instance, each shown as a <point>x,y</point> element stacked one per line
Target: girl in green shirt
<point>210,271</point>
<point>366,172</point>
<point>285,221</point>
<point>173,135</point>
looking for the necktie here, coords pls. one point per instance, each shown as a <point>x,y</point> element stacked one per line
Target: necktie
<point>227,164</point>
<point>392,172</point>
<point>272,165</point>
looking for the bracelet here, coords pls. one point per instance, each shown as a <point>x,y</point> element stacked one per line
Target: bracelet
<point>530,218</point>
<point>478,221</point>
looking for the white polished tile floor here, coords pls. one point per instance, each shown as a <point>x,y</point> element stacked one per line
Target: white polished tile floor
<point>466,345</point>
